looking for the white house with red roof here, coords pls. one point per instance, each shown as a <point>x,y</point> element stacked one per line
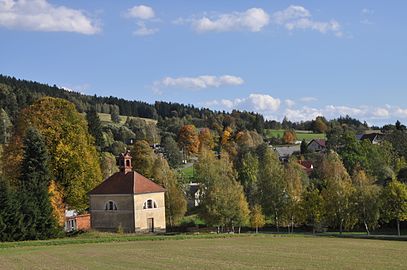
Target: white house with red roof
<point>128,201</point>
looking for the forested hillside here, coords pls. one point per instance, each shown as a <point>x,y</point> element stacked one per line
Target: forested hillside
<point>57,145</point>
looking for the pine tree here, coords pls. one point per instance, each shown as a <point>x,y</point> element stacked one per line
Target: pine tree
<point>5,126</point>
<point>95,126</point>
<point>34,180</point>
<point>114,115</point>
<point>11,219</point>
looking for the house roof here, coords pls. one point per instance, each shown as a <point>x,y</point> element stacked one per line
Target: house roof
<point>287,151</point>
<point>127,183</point>
<point>307,166</point>
<point>371,137</point>
<point>321,142</point>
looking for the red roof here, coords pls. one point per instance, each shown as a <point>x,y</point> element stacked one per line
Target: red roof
<point>321,142</point>
<point>127,183</point>
<point>307,166</point>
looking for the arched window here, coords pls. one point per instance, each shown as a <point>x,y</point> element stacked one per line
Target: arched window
<point>149,204</point>
<point>111,206</point>
<point>128,163</point>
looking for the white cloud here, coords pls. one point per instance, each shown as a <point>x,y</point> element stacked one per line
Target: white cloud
<point>199,82</point>
<point>143,30</point>
<point>367,11</point>
<point>366,15</point>
<point>290,13</point>
<point>289,102</point>
<point>262,102</point>
<point>273,109</point>
<point>302,114</point>
<point>39,15</point>
<point>308,99</point>
<point>400,112</point>
<point>381,113</point>
<point>141,12</point>
<point>298,17</point>
<point>253,19</point>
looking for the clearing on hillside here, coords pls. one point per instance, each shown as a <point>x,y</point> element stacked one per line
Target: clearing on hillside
<point>301,134</point>
<point>247,252</point>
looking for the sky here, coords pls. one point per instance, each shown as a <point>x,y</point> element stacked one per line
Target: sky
<point>299,59</point>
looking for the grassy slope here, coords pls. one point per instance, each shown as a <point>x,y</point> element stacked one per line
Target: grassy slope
<point>188,171</point>
<point>300,135</point>
<point>250,252</point>
<point>105,118</point>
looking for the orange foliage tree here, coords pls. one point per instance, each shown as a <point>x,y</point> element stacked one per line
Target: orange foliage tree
<point>206,139</point>
<point>188,140</point>
<point>289,137</point>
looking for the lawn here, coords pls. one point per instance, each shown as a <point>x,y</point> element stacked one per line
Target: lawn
<point>106,118</point>
<point>246,252</point>
<point>188,172</point>
<point>301,135</point>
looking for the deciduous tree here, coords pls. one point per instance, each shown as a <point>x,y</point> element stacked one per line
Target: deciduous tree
<point>188,140</point>
<point>366,199</point>
<point>257,219</point>
<point>394,197</point>
<point>143,158</point>
<point>206,139</point>
<point>175,201</point>
<point>74,162</point>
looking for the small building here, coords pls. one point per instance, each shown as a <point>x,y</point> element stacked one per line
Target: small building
<point>129,201</point>
<point>285,152</point>
<point>193,195</point>
<point>76,222</point>
<point>374,138</point>
<point>307,166</point>
<point>317,145</point>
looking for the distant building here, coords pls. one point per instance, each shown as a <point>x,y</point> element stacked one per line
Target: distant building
<point>129,201</point>
<point>193,195</point>
<point>317,145</point>
<point>374,138</point>
<point>285,152</point>
<point>76,222</point>
<point>307,166</point>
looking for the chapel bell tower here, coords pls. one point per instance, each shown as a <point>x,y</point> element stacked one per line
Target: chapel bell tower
<point>125,162</point>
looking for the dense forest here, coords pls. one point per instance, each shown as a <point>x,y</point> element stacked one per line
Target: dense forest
<point>56,145</point>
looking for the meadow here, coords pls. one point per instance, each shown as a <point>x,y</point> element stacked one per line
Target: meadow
<point>206,252</point>
<point>105,118</point>
<point>301,135</point>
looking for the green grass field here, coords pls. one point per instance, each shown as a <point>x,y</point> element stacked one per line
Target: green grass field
<point>106,118</point>
<point>301,135</point>
<point>245,252</point>
<point>188,172</point>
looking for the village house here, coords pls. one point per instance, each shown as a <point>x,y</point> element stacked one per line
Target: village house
<point>317,145</point>
<point>285,152</point>
<point>76,222</point>
<point>374,138</point>
<point>129,201</point>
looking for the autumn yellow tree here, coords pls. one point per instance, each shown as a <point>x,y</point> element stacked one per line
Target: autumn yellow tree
<point>206,139</point>
<point>175,201</point>
<point>296,180</point>
<point>143,158</point>
<point>257,218</point>
<point>74,161</point>
<point>188,140</point>
<point>289,136</point>
<point>337,193</point>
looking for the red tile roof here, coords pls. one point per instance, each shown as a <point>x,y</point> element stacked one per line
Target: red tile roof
<point>127,183</point>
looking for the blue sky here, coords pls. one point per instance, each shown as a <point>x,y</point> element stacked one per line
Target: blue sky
<point>297,59</point>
